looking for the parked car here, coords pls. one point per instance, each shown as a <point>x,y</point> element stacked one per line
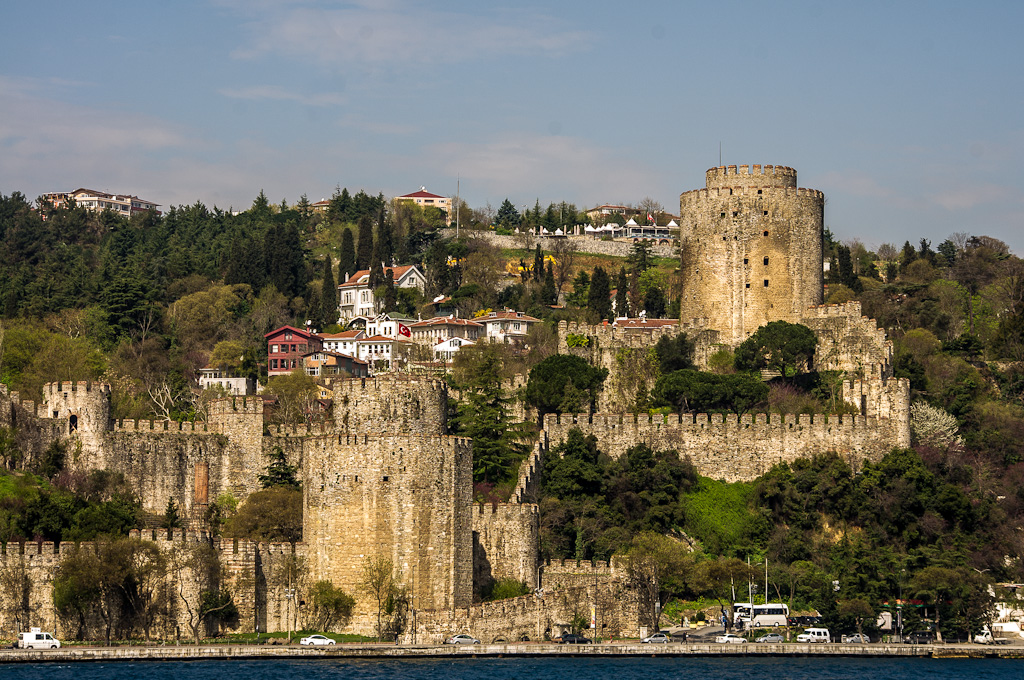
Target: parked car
<point>815,635</point>
<point>856,639</point>
<point>922,637</point>
<point>37,639</point>
<point>658,638</point>
<point>985,637</point>
<point>462,639</point>
<point>572,639</point>
<point>730,639</point>
<point>316,640</point>
<point>770,638</point>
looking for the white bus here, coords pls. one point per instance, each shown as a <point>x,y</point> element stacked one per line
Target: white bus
<point>761,615</point>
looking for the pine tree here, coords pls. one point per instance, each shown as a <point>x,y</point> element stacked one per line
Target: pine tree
<point>347,256</point>
<point>365,252</point>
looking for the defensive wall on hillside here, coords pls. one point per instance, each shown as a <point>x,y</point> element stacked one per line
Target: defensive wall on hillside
<point>586,244</point>
<point>849,341</point>
<point>742,447</point>
<point>256,574</point>
<point>505,540</point>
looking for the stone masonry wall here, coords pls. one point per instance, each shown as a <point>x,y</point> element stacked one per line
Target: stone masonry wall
<point>750,249</point>
<point>587,244</point>
<point>505,540</point>
<point>737,448</point>
<point>402,497</point>
<point>848,341</point>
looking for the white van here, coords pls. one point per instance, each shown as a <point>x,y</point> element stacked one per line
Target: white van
<point>814,635</point>
<point>37,639</point>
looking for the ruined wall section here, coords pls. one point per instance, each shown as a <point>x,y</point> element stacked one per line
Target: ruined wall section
<point>606,341</point>
<point>735,447</point>
<point>750,249</point>
<point>33,434</point>
<point>405,497</point>
<point>849,341</point>
<point>505,541</point>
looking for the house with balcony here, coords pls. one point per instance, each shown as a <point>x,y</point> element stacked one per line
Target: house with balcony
<point>441,328</point>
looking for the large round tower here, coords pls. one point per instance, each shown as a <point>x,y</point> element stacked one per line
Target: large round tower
<point>750,248</point>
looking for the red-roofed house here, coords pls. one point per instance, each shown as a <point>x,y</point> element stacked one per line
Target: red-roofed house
<point>355,297</point>
<point>441,328</point>
<point>428,200</point>
<point>286,346</point>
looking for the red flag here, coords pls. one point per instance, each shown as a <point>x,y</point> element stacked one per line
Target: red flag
<point>404,330</point>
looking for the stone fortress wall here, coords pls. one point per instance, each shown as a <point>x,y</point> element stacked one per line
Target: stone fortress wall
<point>750,249</point>
<point>257,574</point>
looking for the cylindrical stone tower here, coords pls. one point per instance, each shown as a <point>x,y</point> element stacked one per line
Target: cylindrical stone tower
<point>751,249</point>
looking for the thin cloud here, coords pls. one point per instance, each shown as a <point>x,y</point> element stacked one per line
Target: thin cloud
<point>272,92</point>
<point>397,33</point>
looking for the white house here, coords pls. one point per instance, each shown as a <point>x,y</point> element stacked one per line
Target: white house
<point>506,326</point>
<point>445,351</point>
<point>342,343</point>
<point>210,376</point>
<point>355,296</point>
<point>389,325</point>
<point>441,328</point>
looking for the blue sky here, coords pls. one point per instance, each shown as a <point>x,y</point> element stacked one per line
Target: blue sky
<point>908,115</point>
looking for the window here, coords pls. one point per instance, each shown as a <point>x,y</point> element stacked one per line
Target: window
<point>748,285</point>
<point>765,233</point>
<point>723,214</point>
<point>273,349</point>
<point>766,283</point>
<point>766,262</point>
<point>744,260</point>
<point>287,335</point>
<point>273,363</point>
<point>766,213</point>
<point>759,191</point>
<point>735,213</point>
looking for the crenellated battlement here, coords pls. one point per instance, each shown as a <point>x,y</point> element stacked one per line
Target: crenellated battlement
<point>738,447</point>
<point>695,197</point>
<point>509,509</point>
<point>55,388</point>
<point>168,426</point>
<point>237,405</point>
<point>756,176</point>
<point>388,383</point>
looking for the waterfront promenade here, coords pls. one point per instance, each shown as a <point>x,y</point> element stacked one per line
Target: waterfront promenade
<point>375,651</point>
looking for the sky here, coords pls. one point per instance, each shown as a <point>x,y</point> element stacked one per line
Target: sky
<point>908,115</point>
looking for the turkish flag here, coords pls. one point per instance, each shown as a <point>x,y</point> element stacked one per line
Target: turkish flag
<point>404,330</point>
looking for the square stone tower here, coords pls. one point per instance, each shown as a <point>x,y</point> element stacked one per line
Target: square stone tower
<point>750,249</point>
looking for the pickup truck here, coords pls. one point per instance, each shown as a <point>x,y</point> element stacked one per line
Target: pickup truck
<point>985,638</point>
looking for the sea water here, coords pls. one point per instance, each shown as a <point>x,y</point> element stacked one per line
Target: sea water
<point>574,668</point>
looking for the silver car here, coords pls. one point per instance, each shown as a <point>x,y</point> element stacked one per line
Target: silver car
<point>462,639</point>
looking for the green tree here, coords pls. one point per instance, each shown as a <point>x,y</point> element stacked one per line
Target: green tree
<point>279,472</point>
<point>483,415</point>
<point>273,515</point>
<point>507,217</point>
<point>328,312</point>
<point>380,582</point>
<point>598,295</point>
<point>171,518</point>
<point>550,379</point>
<point>658,568</point>
<point>347,256</point>
<point>780,346</point>
<point>330,606</point>
<point>622,294</point>
<point>364,254</point>
<point>695,392</point>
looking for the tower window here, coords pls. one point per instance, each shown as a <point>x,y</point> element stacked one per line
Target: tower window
<point>744,260</point>
<point>723,214</point>
<point>759,191</point>
<point>765,233</point>
<point>748,285</point>
<point>766,283</point>
<point>766,261</point>
<point>735,214</point>
<point>766,213</point>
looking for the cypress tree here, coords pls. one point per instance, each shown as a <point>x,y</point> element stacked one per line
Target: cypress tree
<point>347,257</point>
<point>538,264</point>
<point>328,296</point>
<point>548,292</point>
<point>385,240</point>
<point>621,294</point>
<point>365,252</point>
<point>597,296</point>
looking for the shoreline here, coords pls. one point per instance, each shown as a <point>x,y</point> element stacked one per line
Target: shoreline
<point>227,652</point>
